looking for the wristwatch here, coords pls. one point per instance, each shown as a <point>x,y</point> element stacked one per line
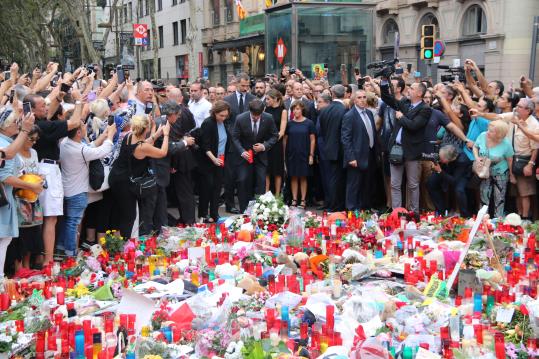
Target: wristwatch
<point>531,163</point>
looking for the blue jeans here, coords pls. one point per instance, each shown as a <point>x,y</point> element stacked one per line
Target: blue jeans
<point>74,210</point>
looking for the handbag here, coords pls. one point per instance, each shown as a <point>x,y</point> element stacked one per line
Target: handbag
<point>29,214</point>
<point>143,186</point>
<point>481,167</point>
<point>519,162</point>
<point>97,174</point>
<point>396,155</point>
<point>3,196</point>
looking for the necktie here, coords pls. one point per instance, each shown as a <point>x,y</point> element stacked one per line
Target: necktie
<point>241,103</point>
<point>368,126</point>
<point>255,128</point>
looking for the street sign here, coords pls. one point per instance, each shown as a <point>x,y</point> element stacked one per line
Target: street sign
<point>205,72</point>
<point>140,31</point>
<point>439,48</point>
<point>280,50</point>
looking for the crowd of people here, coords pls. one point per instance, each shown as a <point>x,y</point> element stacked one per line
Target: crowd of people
<point>117,154</point>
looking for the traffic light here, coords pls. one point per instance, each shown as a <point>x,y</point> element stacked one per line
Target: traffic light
<point>427,41</point>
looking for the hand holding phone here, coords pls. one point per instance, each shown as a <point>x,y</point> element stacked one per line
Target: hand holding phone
<point>27,108</point>
<point>121,74</point>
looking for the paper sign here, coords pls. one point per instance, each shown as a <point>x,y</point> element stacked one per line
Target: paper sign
<point>504,315</point>
<point>425,354</point>
<point>134,303</point>
<point>195,252</point>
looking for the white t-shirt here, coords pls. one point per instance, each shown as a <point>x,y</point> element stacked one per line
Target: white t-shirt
<point>75,174</point>
<point>27,164</point>
<point>200,110</point>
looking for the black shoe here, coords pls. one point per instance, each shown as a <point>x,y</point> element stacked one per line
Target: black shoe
<point>233,210</point>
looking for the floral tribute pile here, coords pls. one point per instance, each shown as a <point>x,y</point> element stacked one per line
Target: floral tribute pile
<point>279,282</point>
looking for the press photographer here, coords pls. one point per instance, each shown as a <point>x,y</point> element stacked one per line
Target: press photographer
<point>442,177</point>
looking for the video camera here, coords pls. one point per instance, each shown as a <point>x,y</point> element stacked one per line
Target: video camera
<point>453,73</point>
<point>383,68</point>
<point>435,155</point>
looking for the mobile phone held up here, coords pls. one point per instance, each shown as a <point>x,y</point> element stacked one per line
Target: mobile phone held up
<point>121,74</point>
<point>65,87</point>
<point>27,108</point>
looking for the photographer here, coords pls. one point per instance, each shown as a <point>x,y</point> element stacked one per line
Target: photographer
<point>442,177</point>
<point>407,140</point>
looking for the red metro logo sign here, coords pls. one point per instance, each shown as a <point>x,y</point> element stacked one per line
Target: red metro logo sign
<point>280,50</point>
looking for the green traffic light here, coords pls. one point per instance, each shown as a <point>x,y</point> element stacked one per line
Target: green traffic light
<point>428,54</point>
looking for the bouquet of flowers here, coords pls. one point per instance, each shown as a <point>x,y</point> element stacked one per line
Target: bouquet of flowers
<point>113,243</point>
<point>269,213</point>
<point>312,220</point>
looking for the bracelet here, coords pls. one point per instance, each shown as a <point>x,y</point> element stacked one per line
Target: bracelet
<point>531,163</point>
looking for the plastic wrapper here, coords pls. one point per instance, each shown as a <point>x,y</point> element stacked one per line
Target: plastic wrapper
<point>296,227</point>
<point>371,348</point>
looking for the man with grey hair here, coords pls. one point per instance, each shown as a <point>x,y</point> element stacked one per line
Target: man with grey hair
<point>143,97</point>
<point>330,124</point>
<point>442,178</point>
<point>154,209</point>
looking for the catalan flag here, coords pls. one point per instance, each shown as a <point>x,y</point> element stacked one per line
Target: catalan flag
<point>241,10</point>
<point>269,3</point>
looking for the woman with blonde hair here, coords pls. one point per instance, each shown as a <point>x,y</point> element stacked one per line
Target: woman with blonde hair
<point>97,121</point>
<point>132,162</point>
<point>494,146</point>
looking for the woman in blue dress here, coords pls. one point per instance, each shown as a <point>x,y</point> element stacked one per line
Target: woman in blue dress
<point>299,143</point>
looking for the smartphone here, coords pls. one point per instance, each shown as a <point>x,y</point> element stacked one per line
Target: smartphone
<point>7,75</point>
<point>110,120</point>
<point>96,85</point>
<point>399,71</point>
<point>149,108</point>
<point>27,108</point>
<point>65,88</point>
<point>121,74</point>
<point>91,96</point>
<point>356,71</point>
<point>417,74</point>
<point>11,96</point>
<point>409,68</point>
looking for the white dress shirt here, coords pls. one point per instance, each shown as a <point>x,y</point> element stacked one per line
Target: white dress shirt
<point>200,110</point>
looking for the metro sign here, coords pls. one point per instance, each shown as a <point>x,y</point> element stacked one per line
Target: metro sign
<point>280,50</point>
<point>140,31</point>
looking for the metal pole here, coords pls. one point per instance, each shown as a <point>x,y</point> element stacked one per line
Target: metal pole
<point>115,9</point>
<point>535,37</point>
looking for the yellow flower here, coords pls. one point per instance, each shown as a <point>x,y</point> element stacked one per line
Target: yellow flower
<point>113,231</point>
<point>78,291</point>
<point>107,232</point>
<point>152,357</point>
<point>102,241</point>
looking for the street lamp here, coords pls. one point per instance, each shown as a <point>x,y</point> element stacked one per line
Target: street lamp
<point>235,56</point>
<point>261,55</point>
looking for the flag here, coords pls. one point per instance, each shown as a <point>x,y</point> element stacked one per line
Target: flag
<point>269,3</point>
<point>241,10</point>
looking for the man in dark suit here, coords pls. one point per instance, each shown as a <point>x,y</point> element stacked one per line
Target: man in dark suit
<point>412,117</point>
<point>182,165</point>
<point>331,118</point>
<point>358,137</point>
<point>170,111</point>
<point>254,133</point>
<point>239,103</point>
<point>297,95</point>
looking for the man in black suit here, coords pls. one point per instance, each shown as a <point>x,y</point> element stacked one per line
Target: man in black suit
<point>239,103</point>
<point>358,137</point>
<point>412,117</point>
<point>297,95</point>
<point>182,165</point>
<point>331,118</point>
<point>254,132</point>
<point>170,112</point>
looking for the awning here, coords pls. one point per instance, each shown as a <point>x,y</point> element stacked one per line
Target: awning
<point>239,42</point>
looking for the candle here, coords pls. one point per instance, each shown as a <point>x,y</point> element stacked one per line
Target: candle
<point>60,295</point>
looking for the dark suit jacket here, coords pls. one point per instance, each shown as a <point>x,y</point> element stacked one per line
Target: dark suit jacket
<point>185,161</point>
<point>309,112</point>
<point>355,139</point>
<point>161,166</point>
<point>232,101</point>
<point>331,119</point>
<point>209,141</point>
<point>413,124</point>
<point>244,139</point>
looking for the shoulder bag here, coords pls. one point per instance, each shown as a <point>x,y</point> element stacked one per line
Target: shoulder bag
<point>519,162</point>
<point>481,167</point>
<point>142,186</point>
<point>396,155</point>
<point>98,174</point>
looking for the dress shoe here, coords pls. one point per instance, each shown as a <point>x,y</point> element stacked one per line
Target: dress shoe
<point>233,210</point>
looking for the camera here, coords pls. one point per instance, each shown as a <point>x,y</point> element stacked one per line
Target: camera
<point>383,68</point>
<point>292,70</point>
<point>90,68</point>
<point>435,155</point>
<point>453,73</point>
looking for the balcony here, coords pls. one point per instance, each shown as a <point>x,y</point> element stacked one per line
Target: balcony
<point>216,19</point>
<point>422,3</point>
<point>229,14</point>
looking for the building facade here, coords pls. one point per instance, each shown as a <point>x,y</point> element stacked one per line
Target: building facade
<point>233,45</point>
<point>497,34</point>
<point>177,39</point>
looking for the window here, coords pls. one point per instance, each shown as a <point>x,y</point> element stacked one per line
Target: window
<point>159,5</point>
<point>474,21</point>
<point>175,37</point>
<point>229,14</point>
<point>216,11</point>
<point>389,32</point>
<point>429,19</point>
<point>161,39</point>
<point>183,25</point>
<point>140,8</point>
<point>174,2</point>
<point>182,67</point>
<point>130,11</point>
<point>148,46</point>
<point>147,8</point>
<point>159,67</point>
